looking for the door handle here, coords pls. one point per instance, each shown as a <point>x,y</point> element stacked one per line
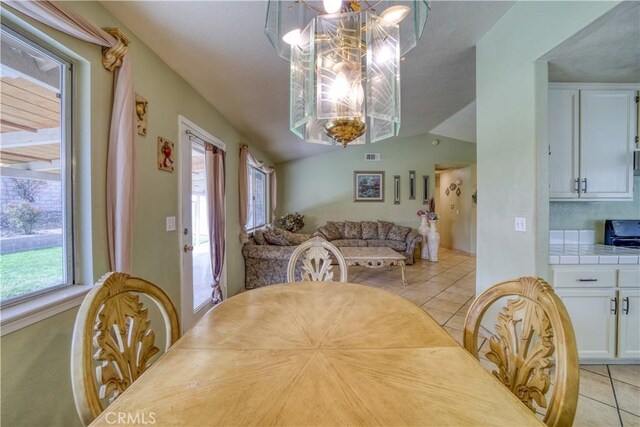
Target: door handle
<point>584,188</point>
<point>625,306</point>
<point>187,248</point>
<point>614,309</point>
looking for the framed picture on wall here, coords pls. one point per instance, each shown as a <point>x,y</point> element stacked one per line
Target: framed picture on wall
<point>368,186</point>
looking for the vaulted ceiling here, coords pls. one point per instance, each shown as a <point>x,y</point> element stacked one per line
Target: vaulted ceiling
<point>220,48</point>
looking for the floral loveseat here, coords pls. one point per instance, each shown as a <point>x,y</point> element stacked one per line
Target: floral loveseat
<point>266,256</point>
<point>373,234</point>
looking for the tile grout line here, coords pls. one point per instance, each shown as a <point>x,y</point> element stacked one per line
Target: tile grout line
<point>615,397</point>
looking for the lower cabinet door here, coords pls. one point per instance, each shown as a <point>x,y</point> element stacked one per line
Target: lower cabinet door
<point>593,315</point>
<point>629,324</point>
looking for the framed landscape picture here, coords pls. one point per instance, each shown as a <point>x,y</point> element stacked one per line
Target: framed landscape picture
<point>368,186</point>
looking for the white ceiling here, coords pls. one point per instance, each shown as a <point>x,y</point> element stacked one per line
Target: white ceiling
<point>220,48</point>
<point>606,51</point>
<point>462,125</point>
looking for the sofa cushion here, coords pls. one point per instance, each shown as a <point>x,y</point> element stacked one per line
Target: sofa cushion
<point>383,229</point>
<point>369,230</point>
<point>274,238</point>
<point>393,244</point>
<point>339,225</point>
<point>330,232</point>
<point>352,230</point>
<point>398,232</point>
<point>358,243</point>
<point>293,239</point>
<point>258,236</point>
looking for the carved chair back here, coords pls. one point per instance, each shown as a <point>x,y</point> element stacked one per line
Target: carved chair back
<point>530,329</point>
<point>316,264</point>
<point>112,330</point>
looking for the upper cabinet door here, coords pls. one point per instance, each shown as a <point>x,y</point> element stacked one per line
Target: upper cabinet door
<point>563,143</point>
<point>607,134</point>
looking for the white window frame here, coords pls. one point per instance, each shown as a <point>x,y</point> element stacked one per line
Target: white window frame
<point>251,170</point>
<point>21,312</point>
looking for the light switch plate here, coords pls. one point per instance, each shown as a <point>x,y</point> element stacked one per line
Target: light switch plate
<point>521,224</point>
<point>171,223</point>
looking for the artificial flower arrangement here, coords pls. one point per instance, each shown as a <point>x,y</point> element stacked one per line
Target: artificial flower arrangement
<point>430,212</point>
<point>291,222</point>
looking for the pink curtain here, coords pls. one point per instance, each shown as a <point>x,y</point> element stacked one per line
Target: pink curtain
<point>121,134</point>
<point>246,159</point>
<point>215,171</point>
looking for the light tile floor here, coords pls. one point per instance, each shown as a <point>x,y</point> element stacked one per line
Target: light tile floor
<point>609,394</point>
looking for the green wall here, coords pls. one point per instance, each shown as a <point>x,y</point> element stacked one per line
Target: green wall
<point>321,187</point>
<point>512,134</point>
<point>36,387</point>
<point>591,215</point>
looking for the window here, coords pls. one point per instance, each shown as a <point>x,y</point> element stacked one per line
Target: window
<point>36,250</point>
<point>257,198</point>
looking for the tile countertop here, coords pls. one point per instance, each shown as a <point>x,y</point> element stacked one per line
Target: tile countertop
<point>592,254</point>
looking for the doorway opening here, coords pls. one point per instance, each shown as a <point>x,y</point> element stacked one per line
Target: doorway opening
<point>455,198</point>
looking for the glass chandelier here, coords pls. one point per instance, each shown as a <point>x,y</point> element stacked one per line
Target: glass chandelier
<point>345,64</point>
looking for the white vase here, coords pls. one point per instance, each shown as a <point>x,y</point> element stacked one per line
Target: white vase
<point>423,230</point>
<point>433,241</point>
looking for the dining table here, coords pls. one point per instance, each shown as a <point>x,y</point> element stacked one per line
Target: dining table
<point>317,353</point>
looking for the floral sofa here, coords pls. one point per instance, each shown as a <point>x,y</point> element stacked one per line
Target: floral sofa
<point>266,256</point>
<point>267,253</point>
<point>372,233</point>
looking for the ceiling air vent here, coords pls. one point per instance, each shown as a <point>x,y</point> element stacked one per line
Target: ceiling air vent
<point>372,157</point>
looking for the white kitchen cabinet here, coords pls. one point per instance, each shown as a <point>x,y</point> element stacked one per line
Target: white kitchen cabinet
<point>603,302</point>
<point>592,130</point>
<point>593,316</point>
<point>629,323</point>
<point>563,143</point>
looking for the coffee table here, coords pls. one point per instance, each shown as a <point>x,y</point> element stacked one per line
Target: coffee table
<point>374,257</point>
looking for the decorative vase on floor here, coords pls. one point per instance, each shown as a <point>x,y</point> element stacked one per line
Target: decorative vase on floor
<point>423,230</point>
<point>433,241</point>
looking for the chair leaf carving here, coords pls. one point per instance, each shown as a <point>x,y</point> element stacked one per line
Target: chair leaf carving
<point>124,342</point>
<point>113,330</point>
<point>532,328</point>
<point>316,265</point>
<point>523,362</point>
<point>316,261</point>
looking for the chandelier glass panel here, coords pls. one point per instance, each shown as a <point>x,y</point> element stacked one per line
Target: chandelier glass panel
<point>345,64</point>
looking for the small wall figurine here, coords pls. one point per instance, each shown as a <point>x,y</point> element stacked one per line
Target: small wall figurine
<point>142,106</point>
<point>165,154</point>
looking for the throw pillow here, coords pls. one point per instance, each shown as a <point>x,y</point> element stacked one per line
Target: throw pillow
<point>383,229</point>
<point>398,233</point>
<point>276,239</point>
<point>330,232</point>
<point>369,230</point>
<point>339,226</point>
<point>352,230</point>
<point>258,236</point>
<point>293,239</point>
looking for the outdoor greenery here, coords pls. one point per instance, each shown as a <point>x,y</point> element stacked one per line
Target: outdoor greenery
<point>29,271</point>
<point>23,216</point>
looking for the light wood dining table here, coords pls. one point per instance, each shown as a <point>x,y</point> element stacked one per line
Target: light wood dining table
<point>318,353</point>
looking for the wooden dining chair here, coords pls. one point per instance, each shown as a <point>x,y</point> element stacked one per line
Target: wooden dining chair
<point>112,331</point>
<point>533,334</point>
<point>316,264</point>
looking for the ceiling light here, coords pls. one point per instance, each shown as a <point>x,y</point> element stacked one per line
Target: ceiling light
<point>332,6</point>
<point>292,37</point>
<point>345,65</point>
<point>395,14</point>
